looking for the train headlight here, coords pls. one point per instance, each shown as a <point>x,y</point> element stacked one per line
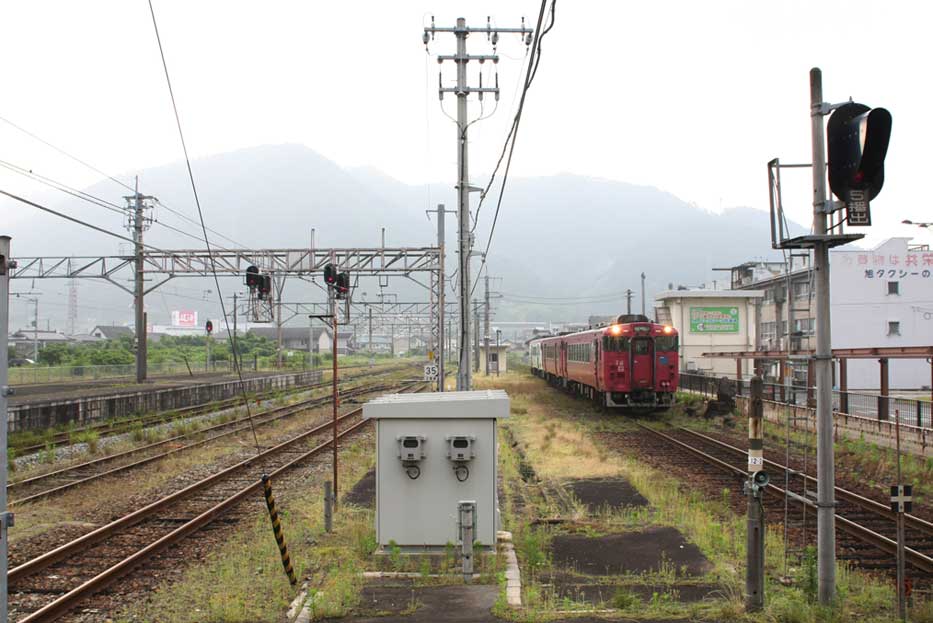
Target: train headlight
<point>615,329</point>
<point>668,329</point>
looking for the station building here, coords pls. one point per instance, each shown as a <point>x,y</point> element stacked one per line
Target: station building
<point>879,298</point>
<point>711,321</point>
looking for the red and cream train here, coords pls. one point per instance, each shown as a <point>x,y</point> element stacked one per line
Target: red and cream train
<point>631,363</point>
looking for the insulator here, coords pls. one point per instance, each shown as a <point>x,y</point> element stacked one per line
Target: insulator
<point>497,86</point>
<point>495,38</point>
<point>481,86</point>
<point>440,86</point>
<point>425,38</point>
<point>488,26</point>
<point>528,39</point>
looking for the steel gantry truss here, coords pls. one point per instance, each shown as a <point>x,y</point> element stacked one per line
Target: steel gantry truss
<point>408,262</point>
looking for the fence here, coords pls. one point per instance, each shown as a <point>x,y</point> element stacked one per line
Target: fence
<point>36,375</point>
<point>911,411</point>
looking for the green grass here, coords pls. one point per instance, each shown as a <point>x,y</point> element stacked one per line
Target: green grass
<point>545,420</point>
<point>242,578</point>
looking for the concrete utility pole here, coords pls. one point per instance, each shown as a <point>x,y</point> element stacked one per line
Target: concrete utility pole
<point>476,305</point>
<point>628,301</point>
<point>486,323</point>
<point>6,518</point>
<point>643,304</point>
<point>371,350</point>
<point>825,471</point>
<point>138,222</point>
<point>441,346</point>
<point>35,332</point>
<point>461,31</point>
<point>279,286</point>
<point>233,343</point>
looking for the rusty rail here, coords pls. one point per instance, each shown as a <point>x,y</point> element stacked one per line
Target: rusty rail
<point>917,559</point>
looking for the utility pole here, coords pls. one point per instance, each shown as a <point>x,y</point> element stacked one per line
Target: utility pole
<point>6,518</point>
<point>441,295</point>
<point>72,306</point>
<point>233,344</point>
<point>279,286</point>
<point>461,31</point>
<point>825,476</point>
<point>138,222</point>
<point>643,313</point>
<point>486,324</point>
<point>35,332</point>
<point>371,350</point>
<point>628,301</point>
<point>476,305</point>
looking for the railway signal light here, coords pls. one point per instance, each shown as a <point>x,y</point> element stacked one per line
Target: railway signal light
<point>252,277</point>
<point>209,327</point>
<point>265,286</point>
<point>857,140</point>
<point>330,275</point>
<point>342,285</point>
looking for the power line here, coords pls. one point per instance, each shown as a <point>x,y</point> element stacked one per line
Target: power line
<point>75,220</point>
<point>80,194</point>
<point>513,132</point>
<point>65,153</point>
<point>197,201</point>
<point>93,199</point>
<point>107,176</point>
<point>529,77</point>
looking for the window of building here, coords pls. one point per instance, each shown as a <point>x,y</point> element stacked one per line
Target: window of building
<point>802,289</point>
<point>894,287</point>
<point>494,357</point>
<point>894,327</point>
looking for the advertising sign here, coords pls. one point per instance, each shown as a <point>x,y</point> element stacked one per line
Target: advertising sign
<point>184,318</point>
<point>714,319</point>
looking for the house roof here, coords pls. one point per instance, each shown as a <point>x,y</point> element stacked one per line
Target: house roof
<point>41,336</point>
<point>112,331</point>
<point>708,294</point>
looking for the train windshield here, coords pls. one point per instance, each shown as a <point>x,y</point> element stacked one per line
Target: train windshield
<point>616,344</point>
<point>665,343</point>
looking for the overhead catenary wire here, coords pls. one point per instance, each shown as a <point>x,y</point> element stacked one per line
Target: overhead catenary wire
<point>197,201</point>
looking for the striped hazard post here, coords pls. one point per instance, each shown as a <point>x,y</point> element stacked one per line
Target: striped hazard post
<point>277,529</point>
<point>757,481</point>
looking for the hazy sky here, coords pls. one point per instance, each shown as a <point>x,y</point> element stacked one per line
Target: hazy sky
<point>691,97</point>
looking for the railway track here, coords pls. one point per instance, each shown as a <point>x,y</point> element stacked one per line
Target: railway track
<point>125,425</point>
<point>58,481</point>
<point>75,571</point>
<point>868,524</point>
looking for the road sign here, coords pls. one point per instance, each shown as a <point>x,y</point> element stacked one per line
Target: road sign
<point>430,372</point>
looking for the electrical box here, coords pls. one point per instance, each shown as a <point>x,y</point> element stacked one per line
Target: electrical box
<point>433,451</point>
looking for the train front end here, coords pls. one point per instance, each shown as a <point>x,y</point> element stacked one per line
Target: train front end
<point>640,365</point>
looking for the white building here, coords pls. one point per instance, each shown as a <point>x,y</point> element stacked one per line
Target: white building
<point>883,297</point>
<point>711,321</point>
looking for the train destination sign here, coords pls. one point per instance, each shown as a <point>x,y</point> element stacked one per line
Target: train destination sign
<point>714,319</point>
